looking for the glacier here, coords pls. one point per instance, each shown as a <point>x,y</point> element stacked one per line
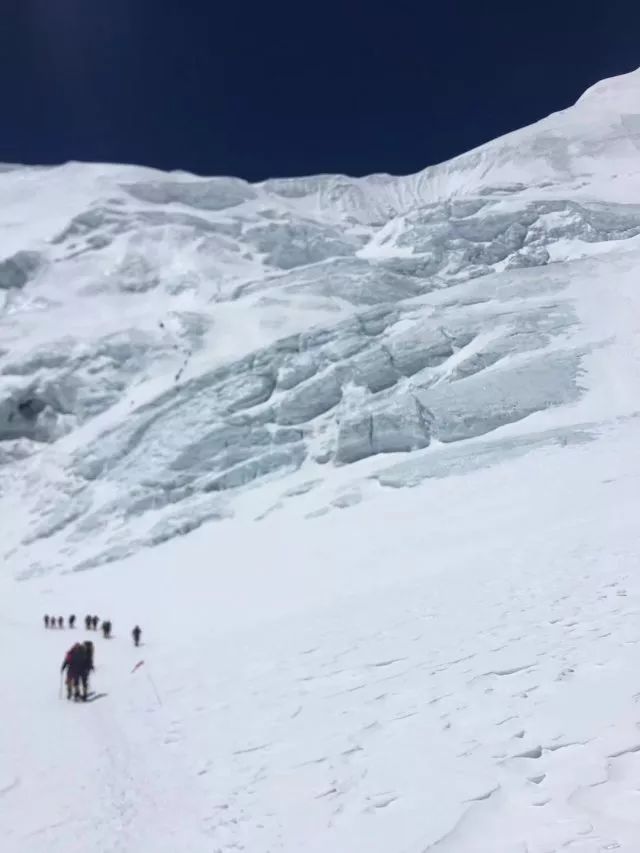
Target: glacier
<point>374,438</point>
<point>168,340</point>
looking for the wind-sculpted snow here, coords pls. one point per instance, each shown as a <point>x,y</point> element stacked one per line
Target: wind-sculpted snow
<point>168,341</point>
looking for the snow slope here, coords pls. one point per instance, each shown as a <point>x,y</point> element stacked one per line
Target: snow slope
<point>397,418</point>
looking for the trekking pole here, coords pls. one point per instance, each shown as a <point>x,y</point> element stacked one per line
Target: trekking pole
<point>60,691</point>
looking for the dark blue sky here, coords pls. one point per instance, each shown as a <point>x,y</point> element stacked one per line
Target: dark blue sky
<point>273,88</point>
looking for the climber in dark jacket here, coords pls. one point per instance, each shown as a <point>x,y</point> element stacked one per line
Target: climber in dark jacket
<point>88,668</point>
<point>88,646</point>
<point>75,663</point>
<point>78,663</point>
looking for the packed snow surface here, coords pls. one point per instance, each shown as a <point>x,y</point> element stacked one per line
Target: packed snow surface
<point>361,458</point>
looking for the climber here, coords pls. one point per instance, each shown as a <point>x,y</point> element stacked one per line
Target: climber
<point>88,668</point>
<point>75,663</point>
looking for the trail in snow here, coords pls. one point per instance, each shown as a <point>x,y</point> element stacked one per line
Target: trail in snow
<point>93,776</point>
<point>477,678</point>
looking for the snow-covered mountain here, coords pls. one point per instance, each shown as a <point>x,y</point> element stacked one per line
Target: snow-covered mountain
<point>168,341</point>
<point>403,412</point>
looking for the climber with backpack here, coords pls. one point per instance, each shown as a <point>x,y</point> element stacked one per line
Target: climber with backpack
<point>75,662</point>
<point>78,662</point>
